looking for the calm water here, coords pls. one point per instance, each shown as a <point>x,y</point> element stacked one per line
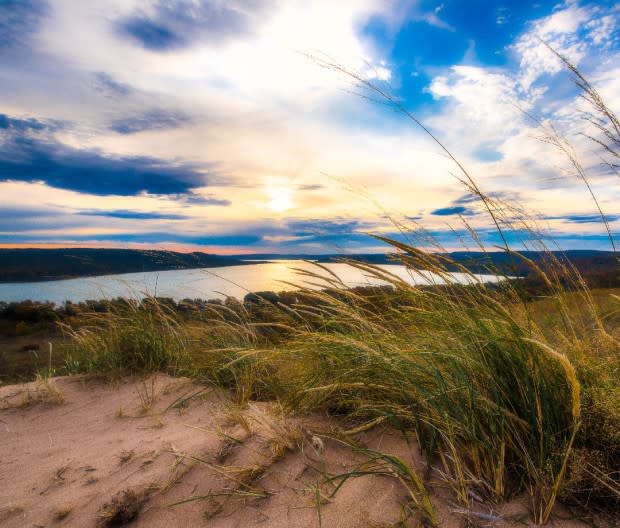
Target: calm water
<point>235,281</point>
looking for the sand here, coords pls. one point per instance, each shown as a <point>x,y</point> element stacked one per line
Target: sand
<point>165,452</point>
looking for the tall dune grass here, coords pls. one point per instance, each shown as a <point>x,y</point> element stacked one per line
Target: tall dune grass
<point>129,338</point>
<point>494,401</point>
<point>505,394</point>
<point>497,394</point>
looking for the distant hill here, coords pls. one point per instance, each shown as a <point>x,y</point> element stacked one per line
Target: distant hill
<point>600,268</point>
<point>30,265</point>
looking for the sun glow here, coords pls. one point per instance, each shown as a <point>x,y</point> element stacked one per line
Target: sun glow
<point>280,200</point>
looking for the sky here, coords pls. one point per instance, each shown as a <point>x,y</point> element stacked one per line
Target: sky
<point>234,126</point>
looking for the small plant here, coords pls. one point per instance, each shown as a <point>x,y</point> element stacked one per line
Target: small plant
<point>242,478</point>
<point>125,456</point>
<point>47,372</point>
<point>72,365</point>
<point>123,508</point>
<point>45,391</point>
<point>63,512</point>
<point>48,391</point>
<point>385,464</point>
<point>146,393</point>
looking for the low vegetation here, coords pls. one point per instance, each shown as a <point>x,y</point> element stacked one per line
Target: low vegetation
<point>510,389</point>
<point>130,338</point>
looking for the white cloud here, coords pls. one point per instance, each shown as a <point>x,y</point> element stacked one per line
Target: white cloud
<point>570,30</point>
<point>380,73</point>
<point>601,29</point>
<point>481,113</point>
<point>481,107</point>
<point>273,120</point>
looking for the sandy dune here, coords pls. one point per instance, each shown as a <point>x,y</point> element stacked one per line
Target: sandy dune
<point>83,453</point>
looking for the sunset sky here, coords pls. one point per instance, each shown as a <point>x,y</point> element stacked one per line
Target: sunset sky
<point>214,124</point>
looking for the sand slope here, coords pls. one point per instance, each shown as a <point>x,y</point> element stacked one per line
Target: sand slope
<point>80,452</point>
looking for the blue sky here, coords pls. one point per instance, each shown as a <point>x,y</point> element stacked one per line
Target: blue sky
<point>215,125</point>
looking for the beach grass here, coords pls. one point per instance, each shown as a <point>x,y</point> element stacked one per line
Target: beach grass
<point>508,389</point>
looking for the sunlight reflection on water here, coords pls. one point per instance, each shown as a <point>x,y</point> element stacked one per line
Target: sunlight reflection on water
<point>235,281</point>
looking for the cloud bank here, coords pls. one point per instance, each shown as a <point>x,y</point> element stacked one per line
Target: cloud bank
<point>204,123</point>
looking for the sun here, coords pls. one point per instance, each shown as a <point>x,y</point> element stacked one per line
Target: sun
<point>280,200</point>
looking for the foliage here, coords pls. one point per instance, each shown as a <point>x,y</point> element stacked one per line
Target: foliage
<point>134,338</point>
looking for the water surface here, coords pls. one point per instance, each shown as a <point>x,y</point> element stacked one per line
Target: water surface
<point>210,283</point>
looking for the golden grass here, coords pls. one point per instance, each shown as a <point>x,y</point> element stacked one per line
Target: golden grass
<point>506,394</point>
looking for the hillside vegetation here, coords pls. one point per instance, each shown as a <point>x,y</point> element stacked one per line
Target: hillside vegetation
<point>29,265</point>
<point>599,268</point>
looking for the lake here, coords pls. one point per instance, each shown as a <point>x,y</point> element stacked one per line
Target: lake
<point>209,283</point>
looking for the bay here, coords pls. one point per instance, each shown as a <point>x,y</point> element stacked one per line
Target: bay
<point>209,283</point>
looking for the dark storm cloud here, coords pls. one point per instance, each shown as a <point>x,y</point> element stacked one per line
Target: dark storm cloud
<point>452,211</point>
<point>18,213</point>
<point>310,187</point>
<point>466,199</point>
<point>150,120</point>
<point>241,239</point>
<point>29,160</point>
<point>459,206</point>
<point>170,25</point>
<point>16,125</point>
<point>134,215</point>
<point>151,34</point>
<point>250,239</point>
<point>327,228</point>
<point>107,85</point>
<point>19,20</point>
<point>20,219</point>
<point>584,219</point>
<point>507,196</point>
<point>462,204</point>
<point>191,198</point>
<point>29,152</point>
<point>539,176</point>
